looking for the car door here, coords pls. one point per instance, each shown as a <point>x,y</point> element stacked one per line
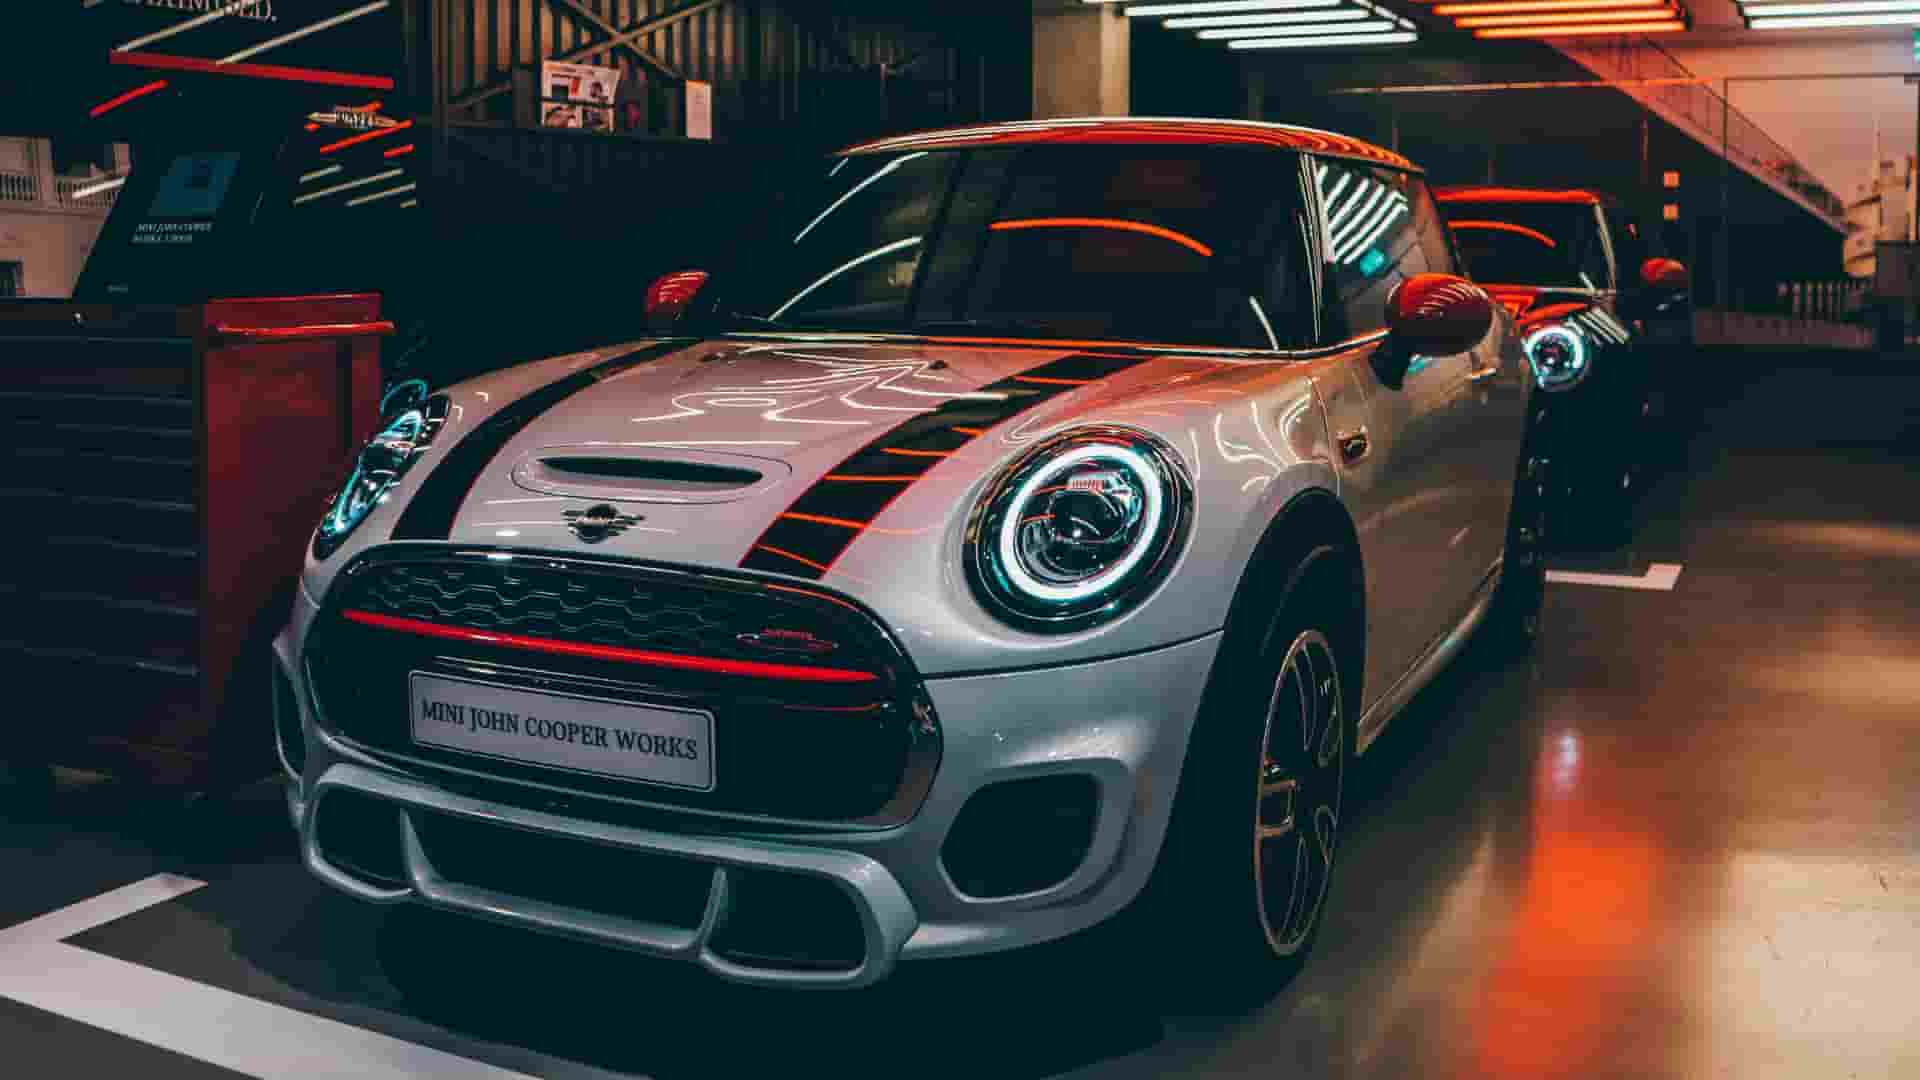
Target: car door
<point>1494,405</point>
<point>1409,469</point>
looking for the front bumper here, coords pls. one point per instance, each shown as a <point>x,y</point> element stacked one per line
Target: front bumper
<point>1121,723</point>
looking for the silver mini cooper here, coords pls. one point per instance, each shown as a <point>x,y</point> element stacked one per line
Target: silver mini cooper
<point>1028,528</point>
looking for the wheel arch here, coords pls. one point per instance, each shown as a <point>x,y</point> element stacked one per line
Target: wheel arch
<point>1311,527</point>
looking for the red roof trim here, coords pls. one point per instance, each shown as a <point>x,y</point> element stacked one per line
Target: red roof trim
<point>1141,131</point>
<point>1516,195</point>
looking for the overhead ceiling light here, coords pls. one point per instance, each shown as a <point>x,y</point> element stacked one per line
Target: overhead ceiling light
<point>1761,22</point>
<point>1662,26</point>
<point>1640,14</point>
<point>1398,37</point>
<point>1505,7</point>
<point>1221,7</point>
<point>1276,18</point>
<point>1370,26</point>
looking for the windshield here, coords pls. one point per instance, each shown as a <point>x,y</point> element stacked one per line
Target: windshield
<point>1184,245</point>
<point>1551,244</point>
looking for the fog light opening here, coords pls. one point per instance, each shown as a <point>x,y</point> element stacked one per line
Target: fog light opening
<point>1022,836</point>
<point>782,921</point>
<point>361,836</point>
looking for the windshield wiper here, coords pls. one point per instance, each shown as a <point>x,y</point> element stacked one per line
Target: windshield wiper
<point>757,320</point>
<point>1000,327</point>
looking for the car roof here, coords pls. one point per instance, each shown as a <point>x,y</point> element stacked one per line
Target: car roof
<point>1130,130</point>
<point>1481,193</point>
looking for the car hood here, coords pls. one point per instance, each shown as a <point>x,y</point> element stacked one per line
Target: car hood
<point>707,446</point>
<point>767,456</point>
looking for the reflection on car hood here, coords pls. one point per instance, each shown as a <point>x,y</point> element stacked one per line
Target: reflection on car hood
<point>707,446</point>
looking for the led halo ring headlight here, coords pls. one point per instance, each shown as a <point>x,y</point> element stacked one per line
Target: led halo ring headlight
<point>1079,530</point>
<point>376,468</point>
<point>1558,355</point>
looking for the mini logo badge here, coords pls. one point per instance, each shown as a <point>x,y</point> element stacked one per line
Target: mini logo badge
<point>596,523</point>
<point>788,641</point>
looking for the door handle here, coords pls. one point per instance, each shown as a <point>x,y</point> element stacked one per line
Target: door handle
<point>1353,444</point>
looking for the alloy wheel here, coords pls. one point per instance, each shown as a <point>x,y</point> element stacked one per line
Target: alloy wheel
<point>1297,815</point>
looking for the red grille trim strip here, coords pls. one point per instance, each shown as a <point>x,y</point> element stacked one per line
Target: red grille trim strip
<point>713,665</point>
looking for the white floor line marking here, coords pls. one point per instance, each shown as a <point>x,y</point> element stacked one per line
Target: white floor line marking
<point>1660,577</point>
<point>218,1026</point>
<point>98,911</point>
<point>232,1030</point>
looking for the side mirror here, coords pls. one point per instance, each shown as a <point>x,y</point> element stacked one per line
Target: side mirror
<point>1438,314</point>
<point>669,297</point>
<point>1665,274</point>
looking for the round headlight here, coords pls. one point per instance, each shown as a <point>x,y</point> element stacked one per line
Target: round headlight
<point>1079,530</point>
<point>379,465</point>
<point>1558,354</point>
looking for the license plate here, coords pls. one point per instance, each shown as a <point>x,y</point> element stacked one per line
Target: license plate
<point>648,743</point>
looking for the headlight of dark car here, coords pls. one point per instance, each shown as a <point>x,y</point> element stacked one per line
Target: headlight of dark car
<point>1560,356</point>
<point>1079,530</point>
<point>379,465</point>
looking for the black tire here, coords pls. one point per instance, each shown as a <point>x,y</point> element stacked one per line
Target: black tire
<point>1209,910</point>
<point>1513,625</point>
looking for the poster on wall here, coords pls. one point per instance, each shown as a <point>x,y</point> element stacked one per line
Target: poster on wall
<point>577,95</point>
<point>699,109</point>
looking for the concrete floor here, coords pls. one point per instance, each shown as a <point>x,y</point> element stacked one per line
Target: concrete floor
<point>1683,841</point>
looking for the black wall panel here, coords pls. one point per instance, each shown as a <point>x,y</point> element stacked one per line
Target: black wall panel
<point>789,71</point>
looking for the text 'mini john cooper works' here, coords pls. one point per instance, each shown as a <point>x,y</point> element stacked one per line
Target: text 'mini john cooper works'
<point>1322,538</point>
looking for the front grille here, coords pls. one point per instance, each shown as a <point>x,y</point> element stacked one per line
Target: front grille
<point>656,612</point>
<point>793,749</point>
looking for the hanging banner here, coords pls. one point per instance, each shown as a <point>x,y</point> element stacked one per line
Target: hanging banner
<point>699,109</point>
<point>577,95</point>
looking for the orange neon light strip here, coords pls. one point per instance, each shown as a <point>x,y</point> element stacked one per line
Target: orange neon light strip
<point>1510,7</point>
<point>137,92</point>
<point>1505,226</point>
<point>974,431</point>
<point>914,453</point>
<point>1570,19</point>
<point>396,151</point>
<point>1667,26</point>
<point>365,135</point>
<point>1180,238</point>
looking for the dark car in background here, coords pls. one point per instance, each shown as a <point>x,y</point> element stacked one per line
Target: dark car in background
<point>1603,317</point>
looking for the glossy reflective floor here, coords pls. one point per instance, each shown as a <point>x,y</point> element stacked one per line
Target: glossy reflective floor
<point>1683,841</point>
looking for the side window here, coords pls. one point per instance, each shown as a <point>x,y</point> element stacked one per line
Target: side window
<point>1374,241</point>
<point>1436,240</point>
<point>1593,254</point>
<point>1630,246</point>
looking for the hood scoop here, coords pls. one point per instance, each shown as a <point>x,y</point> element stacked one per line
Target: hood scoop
<point>648,474</point>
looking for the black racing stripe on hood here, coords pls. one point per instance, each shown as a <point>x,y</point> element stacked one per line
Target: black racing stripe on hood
<point>827,517</point>
<point>430,514</point>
